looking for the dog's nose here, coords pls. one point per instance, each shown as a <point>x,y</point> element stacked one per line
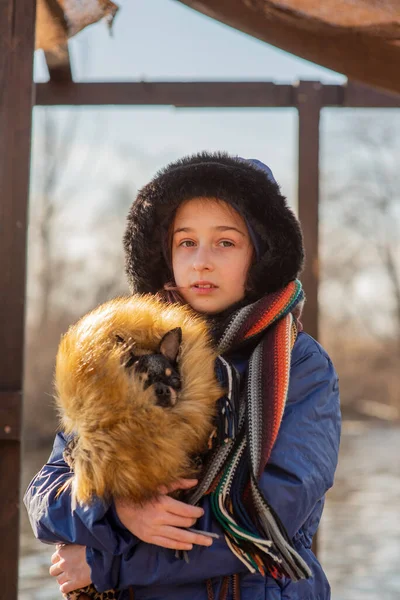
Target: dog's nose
<point>162,389</point>
<point>163,394</point>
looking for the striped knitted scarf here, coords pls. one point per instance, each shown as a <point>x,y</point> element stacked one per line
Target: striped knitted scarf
<point>248,426</point>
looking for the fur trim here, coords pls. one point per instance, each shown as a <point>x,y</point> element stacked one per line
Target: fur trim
<point>239,182</point>
<point>127,446</point>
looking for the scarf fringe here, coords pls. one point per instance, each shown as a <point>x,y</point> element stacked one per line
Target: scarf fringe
<point>252,529</point>
<point>228,405</point>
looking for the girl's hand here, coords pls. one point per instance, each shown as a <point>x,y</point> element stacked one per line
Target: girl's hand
<point>163,521</point>
<point>70,567</point>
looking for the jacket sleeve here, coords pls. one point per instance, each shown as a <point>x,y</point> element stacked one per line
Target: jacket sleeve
<point>149,565</point>
<point>56,518</point>
<point>303,461</point>
<point>300,471</point>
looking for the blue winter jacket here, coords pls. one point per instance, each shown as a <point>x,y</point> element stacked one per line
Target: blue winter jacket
<point>300,471</point>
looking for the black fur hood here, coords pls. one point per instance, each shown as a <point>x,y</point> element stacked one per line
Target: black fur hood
<point>248,186</point>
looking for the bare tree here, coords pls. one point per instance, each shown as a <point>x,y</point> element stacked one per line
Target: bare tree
<point>362,222</point>
<point>72,266</point>
<point>361,261</point>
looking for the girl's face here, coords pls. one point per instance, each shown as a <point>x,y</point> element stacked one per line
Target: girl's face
<point>211,254</point>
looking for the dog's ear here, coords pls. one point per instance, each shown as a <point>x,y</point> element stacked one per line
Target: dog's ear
<point>129,357</point>
<point>170,343</point>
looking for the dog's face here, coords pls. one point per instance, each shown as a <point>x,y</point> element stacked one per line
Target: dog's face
<point>159,369</point>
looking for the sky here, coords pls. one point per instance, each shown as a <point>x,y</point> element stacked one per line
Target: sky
<point>165,40</point>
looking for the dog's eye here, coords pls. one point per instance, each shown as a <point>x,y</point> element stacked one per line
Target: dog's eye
<point>175,382</point>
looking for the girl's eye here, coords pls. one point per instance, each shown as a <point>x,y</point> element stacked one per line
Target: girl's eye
<point>187,243</point>
<point>226,244</point>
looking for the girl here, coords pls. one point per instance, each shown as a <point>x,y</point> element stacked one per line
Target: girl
<point>213,231</point>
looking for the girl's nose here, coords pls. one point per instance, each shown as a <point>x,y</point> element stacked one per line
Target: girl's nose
<point>202,260</point>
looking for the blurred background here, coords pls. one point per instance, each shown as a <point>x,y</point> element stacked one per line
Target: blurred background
<point>87,164</point>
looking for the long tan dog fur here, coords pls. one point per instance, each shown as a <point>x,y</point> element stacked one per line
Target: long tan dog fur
<point>127,446</point>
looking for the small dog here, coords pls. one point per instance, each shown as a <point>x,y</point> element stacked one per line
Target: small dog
<point>158,370</point>
<point>137,392</point>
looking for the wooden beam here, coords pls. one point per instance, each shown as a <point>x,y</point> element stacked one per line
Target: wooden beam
<point>179,94</point>
<point>17,32</point>
<point>357,53</point>
<point>10,415</point>
<point>357,95</point>
<point>201,94</point>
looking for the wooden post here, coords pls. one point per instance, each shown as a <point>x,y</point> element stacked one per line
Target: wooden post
<point>17,28</point>
<point>309,102</point>
<point>309,98</point>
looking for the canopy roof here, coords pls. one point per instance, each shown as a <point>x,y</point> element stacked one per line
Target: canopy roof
<point>359,38</point>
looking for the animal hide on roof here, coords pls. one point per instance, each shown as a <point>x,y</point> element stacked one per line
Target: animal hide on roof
<point>359,38</point>
<point>58,20</point>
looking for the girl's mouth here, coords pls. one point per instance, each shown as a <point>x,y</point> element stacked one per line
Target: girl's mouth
<point>203,287</point>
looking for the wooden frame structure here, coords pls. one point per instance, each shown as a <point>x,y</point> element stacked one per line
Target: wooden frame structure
<point>17,31</point>
<point>17,97</point>
<point>308,97</point>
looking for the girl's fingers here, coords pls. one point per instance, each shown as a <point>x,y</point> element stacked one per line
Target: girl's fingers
<point>55,570</point>
<point>176,521</point>
<point>62,579</point>
<point>67,587</point>
<point>70,586</point>
<point>184,484</point>
<point>179,484</point>
<point>181,509</point>
<point>169,543</point>
<point>185,537</point>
